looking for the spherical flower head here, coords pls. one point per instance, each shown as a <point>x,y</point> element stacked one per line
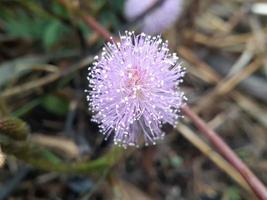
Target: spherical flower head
<point>134,89</point>
<point>158,20</point>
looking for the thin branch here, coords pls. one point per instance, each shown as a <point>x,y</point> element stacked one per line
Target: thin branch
<point>212,155</point>
<point>89,20</point>
<point>226,151</point>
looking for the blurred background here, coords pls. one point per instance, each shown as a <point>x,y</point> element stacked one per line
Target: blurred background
<point>46,47</point>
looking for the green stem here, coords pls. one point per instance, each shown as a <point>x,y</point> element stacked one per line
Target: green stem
<point>44,159</point>
<point>3,108</point>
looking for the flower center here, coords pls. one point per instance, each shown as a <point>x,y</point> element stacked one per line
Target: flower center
<point>134,82</point>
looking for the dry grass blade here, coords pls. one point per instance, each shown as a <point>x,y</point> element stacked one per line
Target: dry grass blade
<point>236,18</point>
<point>29,86</point>
<point>212,155</point>
<point>221,42</point>
<point>2,158</point>
<point>207,72</point>
<point>243,60</point>
<point>228,84</point>
<point>251,107</point>
<point>256,185</point>
<point>244,102</point>
<point>126,191</point>
<point>63,145</point>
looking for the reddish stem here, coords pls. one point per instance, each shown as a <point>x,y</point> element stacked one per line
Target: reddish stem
<point>97,27</point>
<point>226,151</point>
<point>255,184</point>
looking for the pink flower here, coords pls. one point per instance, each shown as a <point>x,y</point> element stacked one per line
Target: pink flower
<point>134,89</point>
<point>160,19</point>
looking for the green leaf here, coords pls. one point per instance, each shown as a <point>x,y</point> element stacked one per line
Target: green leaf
<point>25,26</point>
<point>108,17</point>
<point>26,108</point>
<point>233,193</point>
<point>97,5</point>
<point>117,5</point>
<point>52,34</point>
<point>50,156</point>
<point>176,161</point>
<point>55,104</point>
<point>58,9</point>
<point>35,26</point>
<point>86,31</point>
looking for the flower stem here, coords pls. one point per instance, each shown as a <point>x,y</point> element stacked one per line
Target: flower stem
<point>44,159</point>
<point>255,184</point>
